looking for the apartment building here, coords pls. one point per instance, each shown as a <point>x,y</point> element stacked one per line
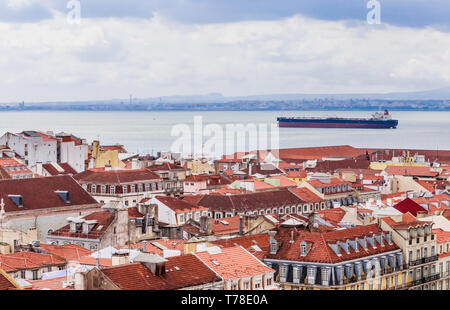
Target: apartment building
<point>418,244</point>
<point>127,186</point>
<point>359,258</point>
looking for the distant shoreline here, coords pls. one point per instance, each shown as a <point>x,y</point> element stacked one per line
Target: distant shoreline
<point>318,105</point>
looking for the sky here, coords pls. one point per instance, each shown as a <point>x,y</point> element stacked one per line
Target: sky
<point>152,48</point>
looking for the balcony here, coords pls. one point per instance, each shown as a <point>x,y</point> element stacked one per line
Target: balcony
<point>417,282</point>
<point>423,260</point>
<point>430,259</point>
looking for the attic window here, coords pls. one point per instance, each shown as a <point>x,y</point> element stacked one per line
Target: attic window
<point>176,268</point>
<point>100,227</point>
<point>303,249</point>
<point>64,195</point>
<point>17,199</point>
<point>215,262</point>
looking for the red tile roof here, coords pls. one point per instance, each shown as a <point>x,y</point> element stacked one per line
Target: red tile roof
<point>225,226</point>
<point>211,180</point>
<point>234,263</point>
<point>250,201</point>
<point>6,282</point>
<point>318,248</point>
<point>103,218</point>
<point>116,176</point>
<point>410,206</point>
<point>67,169</point>
<point>53,284</point>
<point>40,193</point>
<point>189,271</point>
<point>28,260</point>
<point>157,246</point>
<point>334,216</point>
<point>68,252</point>
<point>164,167</point>
<point>410,171</point>
<point>320,152</point>
<point>92,261</point>
<point>441,235</point>
<point>260,240</point>
<point>305,194</point>
<point>178,205</point>
<point>407,221</point>
<point>119,148</point>
<point>134,213</point>
<point>333,182</point>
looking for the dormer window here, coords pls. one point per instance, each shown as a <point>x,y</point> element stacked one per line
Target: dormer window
<point>303,248</point>
<point>93,188</point>
<point>273,246</point>
<point>64,195</point>
<point>17,199</point>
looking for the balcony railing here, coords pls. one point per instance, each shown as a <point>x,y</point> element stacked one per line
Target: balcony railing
<point>430,259</point>
<point>417,282</point>
<point>423,260</point>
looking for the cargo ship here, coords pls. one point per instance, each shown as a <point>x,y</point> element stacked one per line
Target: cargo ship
<point>378,120</point>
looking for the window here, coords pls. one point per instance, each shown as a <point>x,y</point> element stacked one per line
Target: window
<point>418,254</point>
<point>269,281</point>
<point>140,188</point>
<point>147,187</point>
<point>283,270</point>
<point>126,203</point>
<point>103,189</point>
<point>432,250</point>
<point>112,189</point>
<point>296,272</point>
<point>132,188</point>
<point>258,285</point>
<point>22,274</point>
<point>93,188</point>
<point>234,286</point>
<point>124,189</point>
<point>246,285</point>
<point>181,218</point>
<point>35,275</point>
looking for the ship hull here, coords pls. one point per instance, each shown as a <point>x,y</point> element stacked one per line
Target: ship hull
<point>336,123</point>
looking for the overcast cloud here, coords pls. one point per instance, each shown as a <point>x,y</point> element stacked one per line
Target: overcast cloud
<point>156,48</point>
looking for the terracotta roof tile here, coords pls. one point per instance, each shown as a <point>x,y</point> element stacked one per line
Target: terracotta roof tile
<point>28,260</point>
<point>318,248</point>
<point>40,193</point>
<point>234,263</point>
<point>179,274</point>
<point>116,176</point>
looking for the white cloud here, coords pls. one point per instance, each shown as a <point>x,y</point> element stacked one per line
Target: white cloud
<point>111,58</point>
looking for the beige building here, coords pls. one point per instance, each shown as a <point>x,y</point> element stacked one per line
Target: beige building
<point>419,247</point>
<point>101,158</point>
